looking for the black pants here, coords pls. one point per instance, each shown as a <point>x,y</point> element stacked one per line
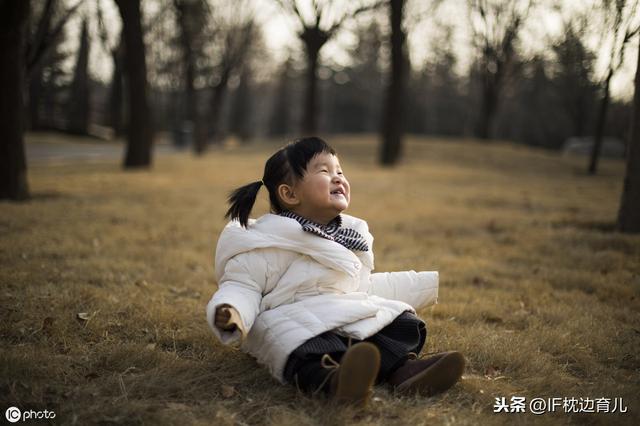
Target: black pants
<point>407,333</point>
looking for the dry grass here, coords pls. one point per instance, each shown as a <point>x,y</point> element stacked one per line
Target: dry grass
<point>536,289</point>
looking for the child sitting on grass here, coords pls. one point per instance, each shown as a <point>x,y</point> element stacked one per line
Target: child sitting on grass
<point>295,288</point>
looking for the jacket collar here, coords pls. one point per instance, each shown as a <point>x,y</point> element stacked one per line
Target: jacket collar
<point>281,232</point>
<point>333,231</point>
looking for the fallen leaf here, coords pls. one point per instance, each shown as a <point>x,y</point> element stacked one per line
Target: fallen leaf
<point>228,391</point>
<point>83,316</point>
<point>47,325</point>
<point>493,373</point>
<point>478,281</point>
<point>129,370</point>
<point>492,319</point>
<point>142,283</point>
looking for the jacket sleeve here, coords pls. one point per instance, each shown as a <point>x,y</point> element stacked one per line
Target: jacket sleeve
<point>418,289</point>
<point>240,286</point>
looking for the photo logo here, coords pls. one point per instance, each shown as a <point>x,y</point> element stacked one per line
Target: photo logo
<point>13,414</point>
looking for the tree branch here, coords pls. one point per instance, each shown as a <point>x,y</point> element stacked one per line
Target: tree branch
<point>292,7</point>
<point>336,26</point>
<point>37,57</point>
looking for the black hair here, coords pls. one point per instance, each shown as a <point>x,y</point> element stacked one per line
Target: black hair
<point>287,165</point>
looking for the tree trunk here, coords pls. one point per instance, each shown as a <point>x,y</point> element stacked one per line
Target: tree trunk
<point>629,214</point>
<point>13,164</point>
<point>393,115</point>
<point>602,117</point>
<point>313,38</point>
<point>217,102</point>
<point>116,89</point>
<point>309,121</point>
<point>279,120</point>
<point>185,13</point>
<point>239,123</point>
<point>578,122</point>
<point>489,107</point>
<point>36,84</point>
<point>78,118</point>
<point>36,87</point>
<point>191,100</point>
<point>140,132</point>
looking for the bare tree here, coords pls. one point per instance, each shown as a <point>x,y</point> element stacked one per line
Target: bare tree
<point>140,132</point>
<point>43,54</point>
<point>235,32</point>
<point>574,74</point>
<point>79,102</point>
<point>116,90</point>
<point>621,23</point>
<point>37,76</point>
<point>495,29</point>
<point>239,120</point>
<point>191,17</point>
<point>437,97</point>
<point>393,115</point>
<point>115,49</point>
<point>280,116</point>
<point>316,27</point>
<point>349,93</point>
<point>13,164</point>
<point>112,42</point>
<point>46,34</point>
<point>629,214</point>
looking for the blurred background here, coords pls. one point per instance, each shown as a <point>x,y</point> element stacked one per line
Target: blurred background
<point>196,73</point>
<point>521,70</point>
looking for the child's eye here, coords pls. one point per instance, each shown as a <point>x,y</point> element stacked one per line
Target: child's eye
<point>325,170</point>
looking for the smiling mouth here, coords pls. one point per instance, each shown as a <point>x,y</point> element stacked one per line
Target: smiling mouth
<point>337,191</point>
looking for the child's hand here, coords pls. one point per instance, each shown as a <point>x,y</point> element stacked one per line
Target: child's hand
<point>223,317</point>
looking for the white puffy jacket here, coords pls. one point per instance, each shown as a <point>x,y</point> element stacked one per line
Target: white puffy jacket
<point>290,285</point>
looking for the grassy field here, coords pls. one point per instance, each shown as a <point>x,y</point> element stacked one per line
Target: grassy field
<point>105,276</point>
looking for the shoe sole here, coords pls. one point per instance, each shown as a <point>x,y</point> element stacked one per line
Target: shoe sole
<point>439,377</point>
<point>357,374</point>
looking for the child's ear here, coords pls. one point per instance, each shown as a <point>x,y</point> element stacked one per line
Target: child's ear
<point>288,195</point>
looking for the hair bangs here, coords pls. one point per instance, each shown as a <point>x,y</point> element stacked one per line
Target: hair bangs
<point>300,153</point>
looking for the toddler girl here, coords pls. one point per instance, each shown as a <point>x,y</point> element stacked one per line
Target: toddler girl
<point>295,288</point>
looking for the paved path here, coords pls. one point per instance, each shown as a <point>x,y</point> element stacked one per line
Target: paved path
<point>82,151</point>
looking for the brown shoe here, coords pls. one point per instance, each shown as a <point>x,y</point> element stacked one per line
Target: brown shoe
<point>353,381</point>
<point>429,376</point>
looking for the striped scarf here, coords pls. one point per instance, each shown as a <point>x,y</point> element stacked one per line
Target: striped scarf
<point>333,231</point>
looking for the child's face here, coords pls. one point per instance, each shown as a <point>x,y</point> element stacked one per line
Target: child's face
<point>324,191</point>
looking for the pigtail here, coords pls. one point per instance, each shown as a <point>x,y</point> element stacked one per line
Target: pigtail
<point>241,201</point>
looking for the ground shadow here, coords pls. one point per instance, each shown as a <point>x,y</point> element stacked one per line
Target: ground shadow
<point>47,196</point>
<point>588,225</point>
